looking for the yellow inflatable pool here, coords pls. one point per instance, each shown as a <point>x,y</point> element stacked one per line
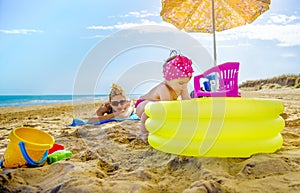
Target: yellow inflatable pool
<point>216,126</point>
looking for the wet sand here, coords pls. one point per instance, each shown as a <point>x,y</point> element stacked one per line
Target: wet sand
<point>111,158</point>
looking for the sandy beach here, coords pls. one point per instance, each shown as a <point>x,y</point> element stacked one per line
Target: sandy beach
<point>111,158</point>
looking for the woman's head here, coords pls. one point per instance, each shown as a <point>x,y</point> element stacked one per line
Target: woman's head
<point>117,97</point>
<point>177,67</point>
<point>116,91</point>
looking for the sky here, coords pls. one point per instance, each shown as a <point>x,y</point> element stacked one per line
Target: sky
<point>46,46</point>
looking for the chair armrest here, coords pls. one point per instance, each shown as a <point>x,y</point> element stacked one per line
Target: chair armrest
<point>197,85</point>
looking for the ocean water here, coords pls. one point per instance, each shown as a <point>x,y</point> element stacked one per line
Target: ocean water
<point>31,100</point>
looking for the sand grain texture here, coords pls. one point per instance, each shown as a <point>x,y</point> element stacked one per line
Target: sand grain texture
<point>110,158</point>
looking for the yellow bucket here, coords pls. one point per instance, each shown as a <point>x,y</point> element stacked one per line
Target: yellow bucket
<point>27,146</point>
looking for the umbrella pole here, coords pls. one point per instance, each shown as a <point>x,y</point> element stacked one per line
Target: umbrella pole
<point>216,86</point>
<point>214,31</point>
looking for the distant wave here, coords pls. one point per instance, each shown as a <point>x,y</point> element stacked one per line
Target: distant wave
<point>32,100</point>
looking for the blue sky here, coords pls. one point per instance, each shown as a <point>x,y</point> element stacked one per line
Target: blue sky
<point>44,43</point>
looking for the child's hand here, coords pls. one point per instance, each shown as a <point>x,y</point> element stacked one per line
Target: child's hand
<point>185,94</point>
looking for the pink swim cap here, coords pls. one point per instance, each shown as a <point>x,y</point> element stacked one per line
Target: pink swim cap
<point>179,67</point>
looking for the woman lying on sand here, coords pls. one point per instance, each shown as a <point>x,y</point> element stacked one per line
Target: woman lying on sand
<point>117,106</point>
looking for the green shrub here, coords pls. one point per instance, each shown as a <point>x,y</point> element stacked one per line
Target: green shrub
<point>297,85</point>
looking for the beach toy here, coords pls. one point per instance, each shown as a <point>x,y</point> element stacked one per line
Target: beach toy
<point>55,148</point>
<point>58,155</point>
<point>206,85</point>
<point>27,146</point>
<point>215,126</point>
<point>223,80</point>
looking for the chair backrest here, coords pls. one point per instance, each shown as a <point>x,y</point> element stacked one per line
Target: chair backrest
<point>227,76</point>
<point>228,73</point>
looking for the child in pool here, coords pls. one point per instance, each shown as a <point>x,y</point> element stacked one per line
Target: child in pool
<point>177,72</point>
<point>117,106</point>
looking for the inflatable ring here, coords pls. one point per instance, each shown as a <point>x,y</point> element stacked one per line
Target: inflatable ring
<point>215,126</point>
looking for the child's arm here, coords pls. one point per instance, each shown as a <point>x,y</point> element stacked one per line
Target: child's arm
<point>185,94</point>
<point>164,94</point>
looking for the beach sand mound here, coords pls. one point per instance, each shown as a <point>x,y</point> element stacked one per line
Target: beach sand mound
<point>111,158</point>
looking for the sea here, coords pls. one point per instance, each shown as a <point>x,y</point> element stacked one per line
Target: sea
<point>32,100</point>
